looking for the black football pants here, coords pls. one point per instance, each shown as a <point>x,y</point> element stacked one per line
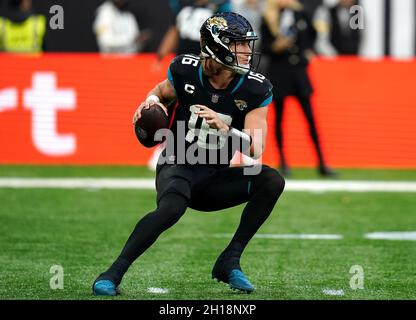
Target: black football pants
<point>204,189</point>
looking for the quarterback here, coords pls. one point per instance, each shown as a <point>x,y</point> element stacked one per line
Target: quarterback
<point>218,98</point>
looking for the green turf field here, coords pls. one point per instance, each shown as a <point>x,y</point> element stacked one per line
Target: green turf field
<point>83,230</point>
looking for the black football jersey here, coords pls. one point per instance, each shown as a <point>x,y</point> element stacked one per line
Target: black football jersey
<point>194,141</point>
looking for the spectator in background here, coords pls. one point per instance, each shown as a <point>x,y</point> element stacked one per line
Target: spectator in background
<point>335,36</point>
<point>288,37</point>
<point>21,30</point>
<point>252,10</point>
<point>116,28</point>
<point>183,35</point>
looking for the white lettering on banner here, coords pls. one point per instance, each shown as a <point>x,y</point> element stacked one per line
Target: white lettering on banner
<point>44,99</point>
<point>8,99</point>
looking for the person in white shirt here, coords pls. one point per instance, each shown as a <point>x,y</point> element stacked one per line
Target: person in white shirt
<point>116,29</point>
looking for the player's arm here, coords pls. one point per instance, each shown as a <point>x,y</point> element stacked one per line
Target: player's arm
<point>162,94</point>
<point>255,126</point>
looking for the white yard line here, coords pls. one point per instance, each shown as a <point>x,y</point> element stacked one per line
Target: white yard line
<point>76,183</point>
<point>121,183</point>
<point>287,236</point>
<point>351,186</point>
<point>382,235</point>
<point>392,235</point>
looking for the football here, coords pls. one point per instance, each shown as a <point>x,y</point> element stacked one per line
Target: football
<point>152,119</point>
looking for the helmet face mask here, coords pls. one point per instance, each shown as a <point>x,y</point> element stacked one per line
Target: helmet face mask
<point>244,59</point>
<point>219,37</point>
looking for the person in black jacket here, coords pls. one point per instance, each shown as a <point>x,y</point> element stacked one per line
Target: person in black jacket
<point>288,38</point>
<point>335,34</point>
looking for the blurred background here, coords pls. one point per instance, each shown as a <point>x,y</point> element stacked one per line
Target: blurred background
<point>390,27</point>
<point>92,62</point>
<point>74,180</point>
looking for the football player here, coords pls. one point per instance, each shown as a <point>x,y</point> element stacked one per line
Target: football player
<point>220,98</point>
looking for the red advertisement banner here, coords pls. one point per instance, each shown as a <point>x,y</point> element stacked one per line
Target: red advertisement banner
<point>77,109</point>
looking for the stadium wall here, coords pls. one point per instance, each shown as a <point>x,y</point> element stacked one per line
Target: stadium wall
<point>77,109</point>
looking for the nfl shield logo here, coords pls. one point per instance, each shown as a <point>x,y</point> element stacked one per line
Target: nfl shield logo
<point>214,98</point>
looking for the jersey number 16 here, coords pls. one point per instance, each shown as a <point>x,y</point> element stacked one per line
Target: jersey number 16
<point>205,130</point>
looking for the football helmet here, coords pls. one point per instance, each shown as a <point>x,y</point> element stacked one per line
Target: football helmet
<point>220,32</point>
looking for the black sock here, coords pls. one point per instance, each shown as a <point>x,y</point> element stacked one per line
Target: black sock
<point>116,271</point>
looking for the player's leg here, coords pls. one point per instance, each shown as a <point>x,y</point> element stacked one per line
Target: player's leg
<point>230,187</point>
<point>173,199</point>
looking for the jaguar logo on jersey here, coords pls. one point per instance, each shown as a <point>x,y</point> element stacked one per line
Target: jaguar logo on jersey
<point>241,104</point>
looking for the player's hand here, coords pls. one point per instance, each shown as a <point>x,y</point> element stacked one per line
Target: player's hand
<point>211,117</point>
<point>146,105</point>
